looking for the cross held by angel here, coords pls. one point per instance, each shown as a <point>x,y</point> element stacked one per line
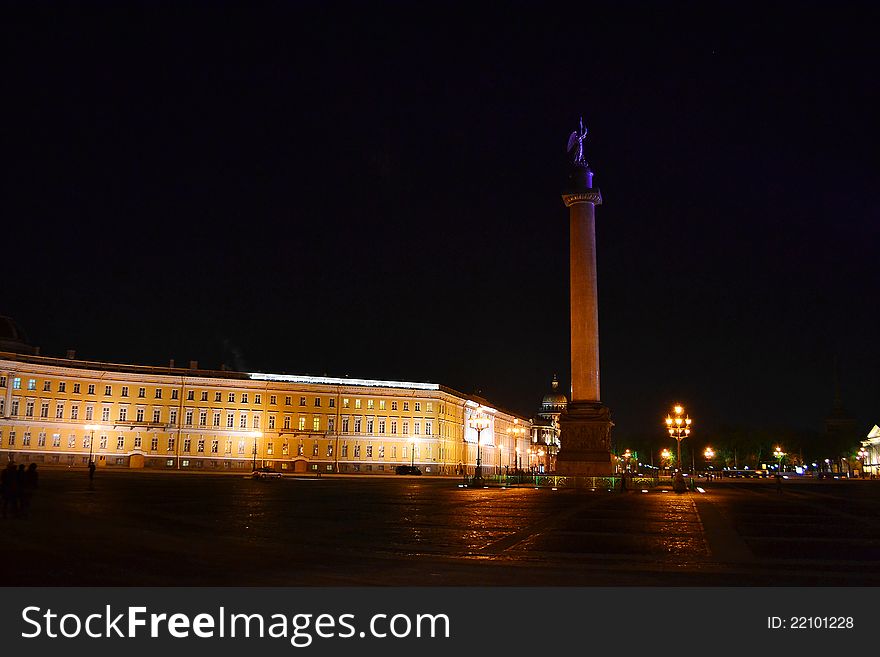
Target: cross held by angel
<point>576,143</point>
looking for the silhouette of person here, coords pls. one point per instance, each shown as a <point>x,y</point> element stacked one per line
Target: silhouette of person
<point>778,482</point>
<point>91,471</point>
<point>10,489</point>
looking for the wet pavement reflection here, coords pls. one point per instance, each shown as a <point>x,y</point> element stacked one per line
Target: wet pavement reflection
<point>140,528</point>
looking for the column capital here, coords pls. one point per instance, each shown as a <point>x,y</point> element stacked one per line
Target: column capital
<point>593,196</point>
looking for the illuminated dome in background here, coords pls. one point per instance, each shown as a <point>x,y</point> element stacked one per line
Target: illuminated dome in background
<point>554,401</point>
<point>12,338</point>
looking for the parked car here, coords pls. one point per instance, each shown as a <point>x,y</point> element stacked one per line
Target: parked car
<point>407,470</point>
<point>266,473</point>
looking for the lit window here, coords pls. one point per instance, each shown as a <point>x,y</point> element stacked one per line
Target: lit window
<point>302,423</point>
<point>16,383</point>
<point>316,423</point>
<point>357,403</point>
<point>344,402</point>
<point>271,421</point>
<point>429,406</point>
<point>32,384</point>
<point>370,404</point>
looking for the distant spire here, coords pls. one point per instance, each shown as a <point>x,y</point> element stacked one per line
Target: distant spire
<point>555,382</point>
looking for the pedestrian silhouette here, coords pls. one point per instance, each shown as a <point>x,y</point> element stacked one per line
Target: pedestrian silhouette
<point>778,483</point>
<point>10,489</point>
<point>91,473</point>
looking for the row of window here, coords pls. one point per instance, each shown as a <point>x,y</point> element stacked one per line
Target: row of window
<point>218,396</point>
<point>244,446</point>
<point>140,416</point>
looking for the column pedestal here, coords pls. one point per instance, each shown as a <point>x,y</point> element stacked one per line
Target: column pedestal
<point>586,439</point>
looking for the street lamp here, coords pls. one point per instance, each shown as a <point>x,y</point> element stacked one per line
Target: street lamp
<point>665,457</point>
<point>863,457</point>
<point>516,431</point>
<point>518,459</point>
<point>255,434</point>
<point>779,454</point>
<point>679,427</point>
<point>479,421</point>
<point>412,452</point>
<point>91,428</point>
<point>627,455</point>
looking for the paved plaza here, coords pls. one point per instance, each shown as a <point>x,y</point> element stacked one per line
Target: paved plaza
<point>167,529</point>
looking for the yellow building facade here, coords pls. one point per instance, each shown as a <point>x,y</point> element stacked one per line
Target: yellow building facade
<point>63,411</point>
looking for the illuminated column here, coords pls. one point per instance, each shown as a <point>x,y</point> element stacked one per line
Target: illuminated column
<point>585,440</point>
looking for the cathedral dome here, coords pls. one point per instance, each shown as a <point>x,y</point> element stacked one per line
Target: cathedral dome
<point>554,401</point>
<point>12,338</point>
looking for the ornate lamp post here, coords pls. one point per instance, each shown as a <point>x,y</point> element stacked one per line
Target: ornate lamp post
<point>709,454</point>
<point>518,459</point>
<point>665,457</point>
<point>255,434</point>
<point>516,432</point>
<point>679,427</point>
<point>779,455</point>
<point>863,457</point>
<point>479,421</point>
<point>412,451</point>
<point>91,429</point>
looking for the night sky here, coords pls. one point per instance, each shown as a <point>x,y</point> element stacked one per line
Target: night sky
<point>373,190</point>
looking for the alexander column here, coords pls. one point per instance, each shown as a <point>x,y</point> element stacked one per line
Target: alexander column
<point>585,439</point>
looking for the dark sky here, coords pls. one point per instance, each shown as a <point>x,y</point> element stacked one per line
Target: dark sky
<point>373,189</point>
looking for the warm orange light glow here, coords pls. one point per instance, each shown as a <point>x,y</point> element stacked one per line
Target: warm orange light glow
<point>678,410</point>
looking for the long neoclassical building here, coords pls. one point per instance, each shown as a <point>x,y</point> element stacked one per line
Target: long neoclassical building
<point>64,411</point>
